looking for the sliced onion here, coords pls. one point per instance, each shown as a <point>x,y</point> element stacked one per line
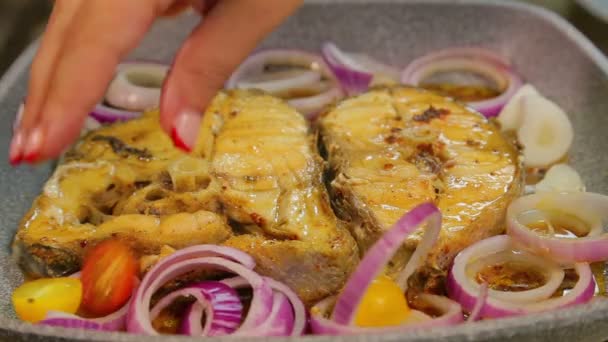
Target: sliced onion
<point>136,86</point>
<point>380,254</point>
<point>287,316</point>
<point>126,100</point>
<point>219,302</point>
<point>466,291</point>
<point>478,60</point>
<point>353,78</point>
<point>197,258</point>
<point>274,309</point>
<point>451,314</point>
<point>105,114</point>
<point>589,207</point>
<point>372,265</point>
<point>316,76</point>
<point>482,297</point>
<point>115,321</point>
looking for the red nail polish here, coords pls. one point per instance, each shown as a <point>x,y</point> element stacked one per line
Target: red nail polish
<point>15,161</point>
<point>30,158</point>
<point>178,142</point>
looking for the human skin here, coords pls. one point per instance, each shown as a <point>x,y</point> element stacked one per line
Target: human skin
<point>84,41</point>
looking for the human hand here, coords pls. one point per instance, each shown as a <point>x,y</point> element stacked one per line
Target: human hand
<point>86,39</point>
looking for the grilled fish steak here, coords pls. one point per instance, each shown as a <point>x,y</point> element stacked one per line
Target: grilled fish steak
<point>394,148</point>
<point>253,182</point>
<point>270,179</point>
<point>117,182</point>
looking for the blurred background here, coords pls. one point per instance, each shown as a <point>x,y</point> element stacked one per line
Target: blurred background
<point>21,21</point>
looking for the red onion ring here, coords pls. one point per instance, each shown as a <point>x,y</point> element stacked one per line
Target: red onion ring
<point>220,303</point>
<point>287,316</point>
<point>124,92</point>
<point>479,304</point>
<point>465,291</point>
<point>353,78</point>
<point>381,252</point>
<point>274,309</point>
<point>307,105</point>
<point>193,258</point>
<point>451,314</point>
<point>480,60</point>
<point>128,101</point>
<point>591,207</point>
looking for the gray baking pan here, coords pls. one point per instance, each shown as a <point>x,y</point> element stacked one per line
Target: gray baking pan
<point>549,52</point>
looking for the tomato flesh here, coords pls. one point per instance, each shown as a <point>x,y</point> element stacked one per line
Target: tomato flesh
<point>383,304</point>
<point>108,277</point>
<point>34,299</point>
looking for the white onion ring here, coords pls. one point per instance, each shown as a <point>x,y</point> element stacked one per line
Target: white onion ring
<point>480,60</point>
<point>464,290</point>
<point>308,105</point>
<point>125,93</point>
<point>590,207</point>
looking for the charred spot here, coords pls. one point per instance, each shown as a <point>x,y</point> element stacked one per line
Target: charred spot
<point>257,219</point>
<point>391,139</point>
<point>430,114</point>
<point>83,243</point>
<point>110,187</point>
<point>398,118</point>
<point>388,166</point>
<point>425,148</point>
<point>122,149</point>
<point>234,113</point>
<point>395,129</point>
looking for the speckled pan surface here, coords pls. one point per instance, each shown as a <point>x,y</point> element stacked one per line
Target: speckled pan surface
<point>545,49</point>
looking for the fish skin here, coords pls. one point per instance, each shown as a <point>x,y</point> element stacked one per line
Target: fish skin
<point>396,147</point>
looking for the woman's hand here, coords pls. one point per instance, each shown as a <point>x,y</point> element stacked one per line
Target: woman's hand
<point>86,39</point>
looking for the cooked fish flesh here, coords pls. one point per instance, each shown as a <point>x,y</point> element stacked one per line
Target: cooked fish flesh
<point>394,148</point>
<point>270,179</point>
<point>117,182</point>
<point>254,182</point>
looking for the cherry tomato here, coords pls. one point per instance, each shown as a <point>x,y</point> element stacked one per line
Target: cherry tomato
<point>383,304</point>
<point>32,300</point>
<point>107,277</point>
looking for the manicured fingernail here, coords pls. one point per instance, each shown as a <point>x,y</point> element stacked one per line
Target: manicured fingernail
<point>185,130</point>
<point>18,117</point>
<point>14,154</point>
<point>33,144</point>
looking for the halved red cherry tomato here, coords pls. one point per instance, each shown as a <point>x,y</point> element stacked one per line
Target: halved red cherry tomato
<point>107,277</point>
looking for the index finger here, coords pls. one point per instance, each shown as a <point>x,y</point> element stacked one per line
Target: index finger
<point>102,32</point>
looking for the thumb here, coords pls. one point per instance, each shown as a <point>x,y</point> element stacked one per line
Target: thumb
<point>207,58</point>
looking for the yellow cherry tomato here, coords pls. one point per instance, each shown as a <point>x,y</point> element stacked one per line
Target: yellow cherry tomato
<point>34,299</point>
<point>383,304</point>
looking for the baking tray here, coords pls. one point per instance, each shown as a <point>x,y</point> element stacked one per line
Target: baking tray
<point>547,50</point>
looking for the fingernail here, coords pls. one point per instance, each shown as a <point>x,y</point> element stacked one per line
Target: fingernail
<point>14,154</point>
<point>33,144</point>
<point>185,130</point>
